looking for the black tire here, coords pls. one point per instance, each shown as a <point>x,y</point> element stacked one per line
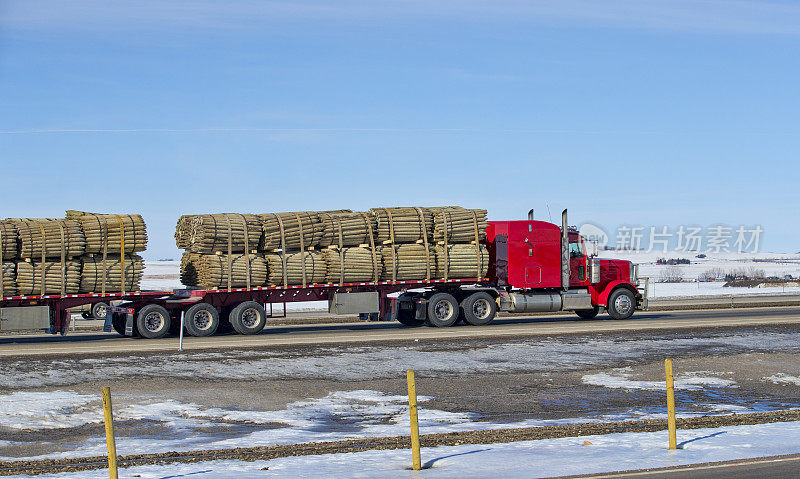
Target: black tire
<point>588,313</point>
<point>118,322</point>
<point>621,304</point>
<point>248,318</point>
<point>478,309</point>
<point>98,310</point>
<point>408,317</point>
<point>201,320</point>
<point>153,321</point>
<point>443,310</point>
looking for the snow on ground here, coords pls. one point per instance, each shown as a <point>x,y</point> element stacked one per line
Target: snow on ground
<point>782,378</point>
<point>689,381</point>
<point>525,459</point>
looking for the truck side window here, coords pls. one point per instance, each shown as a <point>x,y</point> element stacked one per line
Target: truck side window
<point>575,250</point>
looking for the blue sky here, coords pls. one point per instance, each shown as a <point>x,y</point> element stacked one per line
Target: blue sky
<point>626,112</point>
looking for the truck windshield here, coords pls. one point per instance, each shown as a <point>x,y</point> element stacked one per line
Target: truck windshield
<point>575,250</point>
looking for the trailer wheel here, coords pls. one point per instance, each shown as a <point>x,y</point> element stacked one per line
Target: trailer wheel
<point>588,313</point>
<point>248,318</point>
<point>98,310</point>
<point>442,310</point>
<point>153,321</point>
<point>202,319</point>
<point>479,308</point>
<point>621,304</point>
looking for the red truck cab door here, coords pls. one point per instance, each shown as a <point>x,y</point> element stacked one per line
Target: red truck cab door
<point>577,261</point>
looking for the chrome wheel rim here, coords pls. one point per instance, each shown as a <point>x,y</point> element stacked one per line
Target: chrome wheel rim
<point>101,312</point>
<point>250,318</point>
<point>622,304</point>
<point>153,322</point>
<point>481,308</point>
<point>202,320</point>
<point>443,310</point>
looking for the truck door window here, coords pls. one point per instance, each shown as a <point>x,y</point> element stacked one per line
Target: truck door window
<point>575,250</point>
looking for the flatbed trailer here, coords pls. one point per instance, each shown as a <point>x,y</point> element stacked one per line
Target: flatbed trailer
<point>52,312</point>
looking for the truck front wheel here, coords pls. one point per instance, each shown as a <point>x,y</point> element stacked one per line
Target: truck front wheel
<point>442,310</point>
<point>621,304</point>
<point>202,319</point>
<point>479,309</point>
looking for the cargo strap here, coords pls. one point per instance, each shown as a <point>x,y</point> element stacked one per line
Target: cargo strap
<point>104,241</point>
<point>283,249</point>
<point>368,226</point>
<point>445,215</point>
<point>394,252</point>
<point>425,242</point>
<point>341,250</point>
<point>230,251</point>
<point>478,255</point>
<point>44,255</point>
<point>121,253</point>
<point>246,250</point>
<point>302,250</point>
<point>63,261</point>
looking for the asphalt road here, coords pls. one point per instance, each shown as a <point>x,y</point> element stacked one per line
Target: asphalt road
<point>371,332</point>
<point>779,467</point>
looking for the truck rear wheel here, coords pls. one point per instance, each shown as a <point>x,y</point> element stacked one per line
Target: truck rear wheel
<point>201,320</point>
<point>153,321</point>
<point>588,313</point>
<point>479,308</point>
<point>118,322</point>
<point>248,318</point>
<point>442,310</point>
<point>621,304</point>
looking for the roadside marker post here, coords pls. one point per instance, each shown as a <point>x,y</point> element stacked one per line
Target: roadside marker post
<point>412,405</point>
<point>110,441</point>
<point>673,442</point>
<point>180,341</point>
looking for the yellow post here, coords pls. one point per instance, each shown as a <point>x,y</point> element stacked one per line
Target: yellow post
<point>110,442</point>
<point>673,442</point>
<point>412,404</point>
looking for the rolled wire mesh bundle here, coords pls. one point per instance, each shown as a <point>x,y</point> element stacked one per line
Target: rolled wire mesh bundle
<point>222,271</point>
<point>406,262</point>
<point>108,233</point>
<point>50,277</point>
<point>49,238</point>
<point>113,274</point>
<point>350,265</point>
<point>8,279</point>
<point>8,240</point>
<point>292,230</point>
<point>225,233</point>
<point>459,225</point>
<point>296,268</point>
<point>189,268</point>
<point>347,229</point>
<point>183,232</point>
<point>403,225</point>
<point>461,261</point>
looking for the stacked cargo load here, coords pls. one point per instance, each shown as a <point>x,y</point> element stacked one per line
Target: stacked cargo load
<point>8,251</point>
<point>405,236</point>
<point>221,251</point>
<point>110,263</point>
<point>459,234</point>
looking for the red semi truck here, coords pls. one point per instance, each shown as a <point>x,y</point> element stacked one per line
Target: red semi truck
<point>534,266</point>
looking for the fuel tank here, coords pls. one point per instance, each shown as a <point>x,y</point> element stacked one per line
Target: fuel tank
<point>531,302</point>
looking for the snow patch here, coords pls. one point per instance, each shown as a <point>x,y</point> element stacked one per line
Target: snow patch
<point>782,378</point>
<point>621,380</point>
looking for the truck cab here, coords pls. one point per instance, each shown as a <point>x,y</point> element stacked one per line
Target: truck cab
<point>544,267</point>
